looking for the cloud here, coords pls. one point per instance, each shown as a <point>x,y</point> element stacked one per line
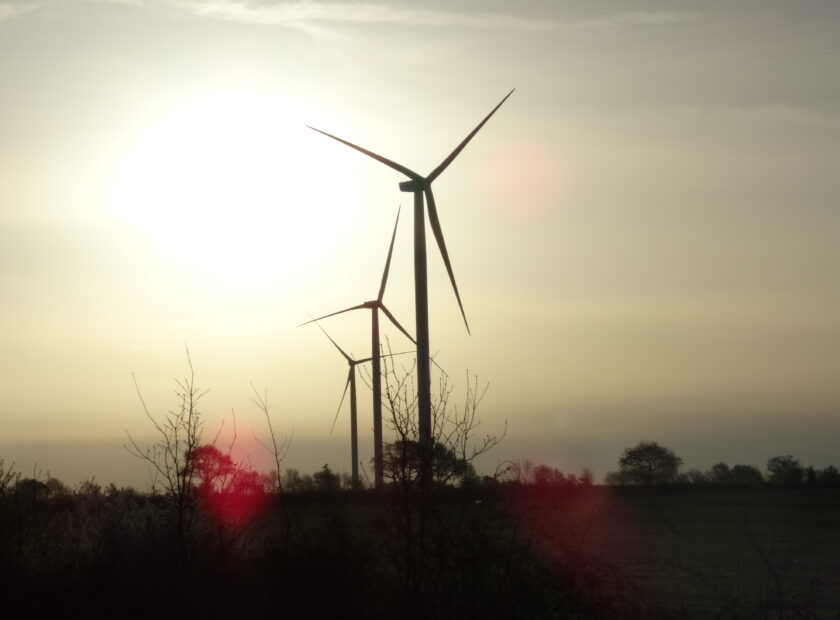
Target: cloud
<point>303,12</point>
<point>10,10</point>
<point>306,13</point>
<point>300,12</point>
<point>633,18</point>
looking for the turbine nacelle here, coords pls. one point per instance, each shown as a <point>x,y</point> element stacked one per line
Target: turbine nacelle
<point>414,185</point>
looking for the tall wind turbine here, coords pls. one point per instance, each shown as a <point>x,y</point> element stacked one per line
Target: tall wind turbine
<point>421,187</point>
<point>351,382</point>
<point>375,305</point>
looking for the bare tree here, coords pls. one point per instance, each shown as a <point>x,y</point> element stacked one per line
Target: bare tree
<point>429,535</point>
<point>9,477</point>
<point>456,442</point>
<point>172,456</point>
<point>277,449</point>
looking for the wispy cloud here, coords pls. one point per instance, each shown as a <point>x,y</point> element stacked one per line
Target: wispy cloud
<point>302,12</point>
<point>10,10</point>
<point>633,18</point>
<point>309,13</point>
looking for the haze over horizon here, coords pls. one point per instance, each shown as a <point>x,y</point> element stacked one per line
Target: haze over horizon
<point>644,236</point>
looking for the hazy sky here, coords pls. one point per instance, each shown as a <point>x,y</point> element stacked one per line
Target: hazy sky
<point>644,236</point>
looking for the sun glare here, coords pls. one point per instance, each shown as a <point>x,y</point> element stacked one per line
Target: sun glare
<point>232,184</point>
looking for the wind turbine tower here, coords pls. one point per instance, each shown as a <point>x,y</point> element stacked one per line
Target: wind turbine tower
<point>421,187</point>
<point>375,305</point>
<point>351,383</point>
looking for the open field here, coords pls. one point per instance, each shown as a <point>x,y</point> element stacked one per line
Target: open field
<point>758,553</point>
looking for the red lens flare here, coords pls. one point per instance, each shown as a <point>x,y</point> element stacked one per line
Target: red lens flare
<point>231,493</point>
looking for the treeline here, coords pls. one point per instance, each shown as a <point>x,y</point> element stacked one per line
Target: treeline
<point>781,470</point>
<point>237,546</point>
<point>649,463</point>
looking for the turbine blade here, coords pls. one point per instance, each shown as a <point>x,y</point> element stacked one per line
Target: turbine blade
<point>435,224</point>
<point>332,314</point>
<point>340,350</point>
<point>436,172</point>
<point>388,260</point>
<point>396,322</point>
<point>392,164</point>
<point>341,402</point>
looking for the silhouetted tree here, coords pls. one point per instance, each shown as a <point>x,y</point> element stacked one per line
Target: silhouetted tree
<point>9,477</point>
<point>545,475</point>
<point>326,480</point>
<point>519,471</point>
<point>402,460</point>
<point>171,455</point>
<point>720,473</point>
<point>648,463</point>
<point>830,476</point>
<point>695,476</point>
<point>746,474</point>
<point>295,482</point>
<point>230,492</point>
<point>31,489</point>
<point>784,470</point>
<point>615,479</point>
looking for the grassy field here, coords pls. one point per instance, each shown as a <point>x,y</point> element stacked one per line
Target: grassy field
<point>760,553</point>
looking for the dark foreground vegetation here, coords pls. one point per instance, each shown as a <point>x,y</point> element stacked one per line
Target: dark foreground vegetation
<point>215,539</point>
<point>493,548</point>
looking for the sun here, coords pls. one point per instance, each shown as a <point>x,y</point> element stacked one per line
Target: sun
<point>232,184</point>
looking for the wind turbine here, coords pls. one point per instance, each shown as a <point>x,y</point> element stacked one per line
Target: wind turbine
<point>375,305</point>
<point>351,381</point>
<point>421,187</point>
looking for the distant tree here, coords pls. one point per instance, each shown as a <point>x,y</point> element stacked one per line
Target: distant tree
<point>9,477</point>
<point>490,481</point>
<point>695,476</point>
<point>213,469</point>
<point>402,460</point>
<point>720,473</point>
<point>746,474</point>
<point>648,463</point>
<point>90,488</point>
<point>307,483</point>
<point>518,471</point>
<point>810,475</point>
<point>784,470</point>
<point>55,487</point>
<point>292,482</point>
<point>326,480</point>
<point>829,476</point>
<point>586,478</point>
<point>231,492</point>
<point>31,488</point>
<point>615,479</point>
<point>271,482</point>
<point>545,475</point>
